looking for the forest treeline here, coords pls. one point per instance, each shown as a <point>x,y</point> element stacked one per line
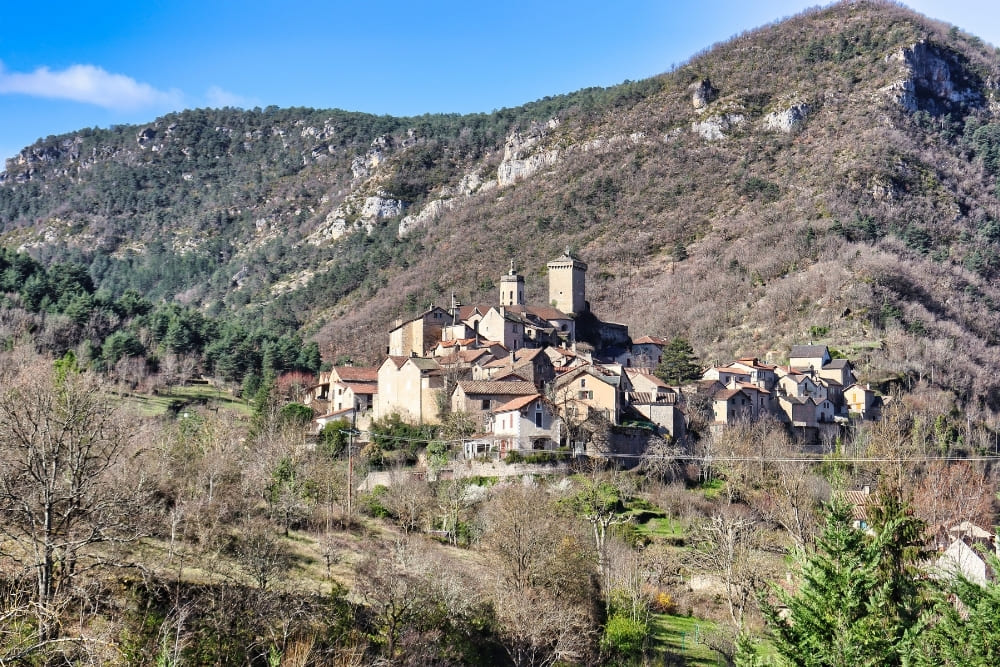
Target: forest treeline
<point>129,335</point>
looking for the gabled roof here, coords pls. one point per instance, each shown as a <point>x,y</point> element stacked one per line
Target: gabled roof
<point>498,387</point>
<point>465,312</point>
<point>752,387</point>
<point>808,351</point>
<point>361,388</point>
<point>420,316</point>
<point>521,357</point>
<point>397,361</point>
<point>357,373</point>
<point>518,403</point>
<point>754,362</point>
<point>838,364</point>
<point>651,340</point>
<point>727,394</point>
<point>425,364</point>
<point>464,357</point>
<point>334,414</point>
<point>599,372</point>
<point>646,375</point>
<point>510,377</point>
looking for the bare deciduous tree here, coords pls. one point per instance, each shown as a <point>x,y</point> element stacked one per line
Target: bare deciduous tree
<point>65,481</point>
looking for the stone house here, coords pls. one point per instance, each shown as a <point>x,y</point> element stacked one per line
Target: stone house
<point>526,422</point>
<point>587,391</point>
<point>479,398</point>
<point>738,402</point>
<point>502,326</point>
<point>532,364</point>
<point>409,387</point>
<point>809,357</point>
<point>861,400</point>
<point>418,336</point>
<point>647,352</point>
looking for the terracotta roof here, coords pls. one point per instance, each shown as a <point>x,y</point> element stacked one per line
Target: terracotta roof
<point>498,387</point>
<point>518,403</point>
<point>357,373</point>
<point>521,358</point>
<point>510,377</point>
<point>859,501</point>
<point>465,312</point>
<point>727,394</point>
<point>398,361</point>
<point>362,388</point>
<point>651,340</point>
<point>754,362</point>
<point>647,376</point>
<point>747,385</point>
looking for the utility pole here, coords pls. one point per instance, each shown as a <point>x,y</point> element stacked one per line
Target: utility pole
<point>350,473</point>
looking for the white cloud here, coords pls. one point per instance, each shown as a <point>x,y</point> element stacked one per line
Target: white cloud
<point>88,84</point>
<point>217,97</point>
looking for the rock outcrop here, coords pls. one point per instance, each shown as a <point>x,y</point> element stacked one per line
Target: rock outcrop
<point>519,159</point>
<point>702,94</point>
<point>932,82</point>
<point>715,128</point>
<point>787,120</point>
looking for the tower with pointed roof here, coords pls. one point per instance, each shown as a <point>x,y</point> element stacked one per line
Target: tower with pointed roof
<point>568,284</point>
<point>512,288</point>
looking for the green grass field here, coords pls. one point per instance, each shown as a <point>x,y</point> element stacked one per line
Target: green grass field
<point>155,405</point>
<point>682,636</point>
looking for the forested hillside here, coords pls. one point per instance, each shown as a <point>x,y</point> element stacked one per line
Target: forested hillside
<point>829,177</point>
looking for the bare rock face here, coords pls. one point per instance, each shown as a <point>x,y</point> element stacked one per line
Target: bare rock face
<point>931,82</point>
<point>787,120</point>
<point>702,94</point>
<point>380,206</point>
<point>520,159</point>
<point>715,128</point>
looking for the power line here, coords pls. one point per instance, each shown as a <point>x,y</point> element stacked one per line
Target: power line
<point>825,458</point>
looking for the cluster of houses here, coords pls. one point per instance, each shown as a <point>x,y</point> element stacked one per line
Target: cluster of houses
<point>543,377</point>
<point>813,392</point>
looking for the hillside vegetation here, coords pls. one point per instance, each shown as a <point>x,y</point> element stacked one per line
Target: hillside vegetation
<point>839,180</point>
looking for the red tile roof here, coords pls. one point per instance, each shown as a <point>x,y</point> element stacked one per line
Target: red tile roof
<point>518,403</point>
<point>357,373</point>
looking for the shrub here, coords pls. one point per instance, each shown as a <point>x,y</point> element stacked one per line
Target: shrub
<point>624,637</point>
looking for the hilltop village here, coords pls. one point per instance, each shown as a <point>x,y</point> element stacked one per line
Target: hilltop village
<point>556,377</point>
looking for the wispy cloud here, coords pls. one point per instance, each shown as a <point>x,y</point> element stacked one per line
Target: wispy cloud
<point>88,84</point>
<point>217,97</point>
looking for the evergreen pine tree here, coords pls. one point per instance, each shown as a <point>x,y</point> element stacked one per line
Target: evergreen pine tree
<point>860,596</point>
<point>677,364</point>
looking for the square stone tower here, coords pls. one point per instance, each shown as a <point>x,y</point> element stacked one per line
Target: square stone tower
<point>568,284</point>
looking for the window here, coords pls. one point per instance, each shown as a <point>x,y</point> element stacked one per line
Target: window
<point>538,419</point>
<point>485,404</point>
<point>583,382</point>
<point>585,395</point>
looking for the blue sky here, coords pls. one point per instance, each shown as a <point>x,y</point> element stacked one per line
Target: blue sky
<point>69,65</point>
